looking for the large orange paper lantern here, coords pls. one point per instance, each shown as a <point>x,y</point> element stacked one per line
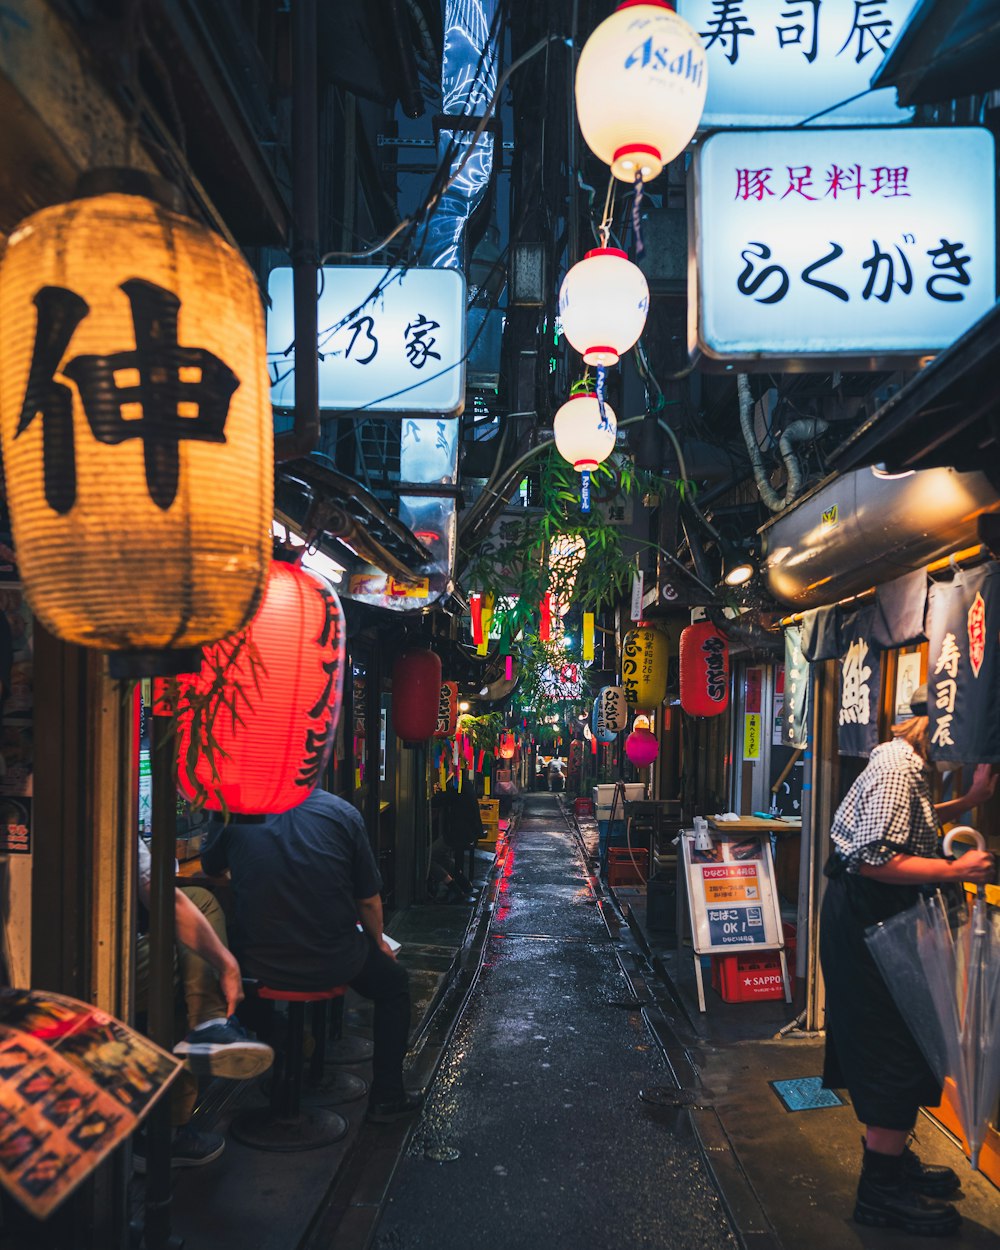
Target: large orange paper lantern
<point>640,88</point>
<point>416,694</point>
<point>275,725</point>
<point>136,424</point>
<point>704,663</point>
<point>645,654</point>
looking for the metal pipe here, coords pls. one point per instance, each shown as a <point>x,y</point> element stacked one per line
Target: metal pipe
<point>161,974</point>
<point>304,435</point>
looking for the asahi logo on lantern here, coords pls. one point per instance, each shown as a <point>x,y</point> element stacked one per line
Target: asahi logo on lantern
<point>977,633</point>
<point>647,56</point>
<point>182,393</point>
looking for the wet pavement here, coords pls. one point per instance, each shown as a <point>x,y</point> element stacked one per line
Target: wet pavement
<point>534,1132</point>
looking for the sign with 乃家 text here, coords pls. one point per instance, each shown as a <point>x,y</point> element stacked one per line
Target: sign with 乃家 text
<point>389,341</point>
<point>778,62</point>
<point>829,246</point>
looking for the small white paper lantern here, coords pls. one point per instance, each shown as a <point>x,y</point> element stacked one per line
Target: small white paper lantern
<point>580,437</point>
<point>603,304</point>
<point>640,88</point>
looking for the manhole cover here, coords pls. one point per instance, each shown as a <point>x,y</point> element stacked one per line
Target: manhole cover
<point>665,1096</point>
<point>443,1154</point>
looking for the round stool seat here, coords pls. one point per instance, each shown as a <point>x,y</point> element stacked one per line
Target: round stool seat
<point>310,1129</point>
<point>349,1049</point>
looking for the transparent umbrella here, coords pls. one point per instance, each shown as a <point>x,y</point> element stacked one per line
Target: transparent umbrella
<point>943,971</point>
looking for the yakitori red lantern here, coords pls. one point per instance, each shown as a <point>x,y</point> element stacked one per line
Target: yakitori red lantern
<point>704,662</point>
<point>507,746</point>
<point>257,743</point>
<point>416,694</point>
<point>641,747</point>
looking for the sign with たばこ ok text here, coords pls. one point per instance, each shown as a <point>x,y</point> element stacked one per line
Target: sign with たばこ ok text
<point>840,245</point>
<point>389,341</point>
<point>778,62</point>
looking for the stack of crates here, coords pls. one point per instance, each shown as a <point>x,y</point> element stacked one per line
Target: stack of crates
<point>604,801</point>
<point>755,975</point>
<point>628,867</point>
<point>489,812</point>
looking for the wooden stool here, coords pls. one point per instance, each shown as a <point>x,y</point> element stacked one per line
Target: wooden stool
<point>286,1125</point>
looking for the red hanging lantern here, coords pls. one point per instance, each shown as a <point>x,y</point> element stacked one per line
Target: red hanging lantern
<point>274,723</point>
<point>704,664</point>
<point>416,692</point>
<point>642,747</point>
<point>507,746</point>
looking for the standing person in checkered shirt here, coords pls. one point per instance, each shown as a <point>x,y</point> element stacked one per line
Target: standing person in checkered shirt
<point>886,850</point>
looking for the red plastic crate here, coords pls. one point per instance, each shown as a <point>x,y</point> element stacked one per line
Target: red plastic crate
<point>583,807</point>
<point>621,869</point>
<point>753,976</point>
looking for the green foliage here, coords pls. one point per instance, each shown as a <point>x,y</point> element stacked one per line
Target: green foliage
<point>483,730</point>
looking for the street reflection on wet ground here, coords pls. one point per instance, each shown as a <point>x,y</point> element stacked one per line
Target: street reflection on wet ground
<point>533,1132</point>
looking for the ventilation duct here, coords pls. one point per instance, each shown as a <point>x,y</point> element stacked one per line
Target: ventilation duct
<point>865,528</point>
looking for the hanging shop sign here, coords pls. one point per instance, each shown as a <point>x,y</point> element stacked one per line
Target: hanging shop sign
<point>389,340</point>
<point>731,891</point>
<point>704,670</point>
<point>812,246</point>
<point>779,62</point>
<point>963,667</point>
<point>860,684</point>
<point>133,389</point>
<point>447,717</point>
<point>644,667</point>
<point>795,726</point>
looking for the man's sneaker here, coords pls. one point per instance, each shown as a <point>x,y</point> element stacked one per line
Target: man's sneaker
<point>189,1149</point>
<point>393,1109</point>
<point>224,1050</point>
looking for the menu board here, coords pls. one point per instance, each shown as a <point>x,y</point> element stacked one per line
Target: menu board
<point>731,893</point>
<point>74,1082</point>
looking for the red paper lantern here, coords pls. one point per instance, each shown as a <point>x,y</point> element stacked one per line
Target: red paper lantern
<point>507,746</point>
<point>704,663</point>
<point>283,693</point>
<point>416,692</point>
<point>641,747</point>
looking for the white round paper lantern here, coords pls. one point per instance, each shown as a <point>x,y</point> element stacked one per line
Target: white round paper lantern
<point>603,304</point>
<point>640,88</point>
<point>580,437</point>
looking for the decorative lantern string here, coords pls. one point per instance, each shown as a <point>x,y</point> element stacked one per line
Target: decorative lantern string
<point>599,391</point>
<point>640,249</point>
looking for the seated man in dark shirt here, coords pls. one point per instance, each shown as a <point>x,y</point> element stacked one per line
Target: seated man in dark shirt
<point>300,882</point>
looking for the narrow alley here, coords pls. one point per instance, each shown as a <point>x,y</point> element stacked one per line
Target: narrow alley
<point>534,1132</point>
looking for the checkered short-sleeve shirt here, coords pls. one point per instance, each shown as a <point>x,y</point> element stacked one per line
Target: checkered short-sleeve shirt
<point>888,810</point>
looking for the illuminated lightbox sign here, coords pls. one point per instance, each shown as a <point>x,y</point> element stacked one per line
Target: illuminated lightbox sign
<point>777,62</point>
<point>388,341</point>
<point>836,245</point>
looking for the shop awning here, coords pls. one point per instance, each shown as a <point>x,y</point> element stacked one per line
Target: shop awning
<point>350,522</point>
<point>946,415</point>
<point>948,50</point>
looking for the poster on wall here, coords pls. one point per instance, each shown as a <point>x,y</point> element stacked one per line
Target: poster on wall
<point>74,1083</point>
<point>907,680</point>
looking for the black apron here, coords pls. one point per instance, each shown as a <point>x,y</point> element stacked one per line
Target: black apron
<point>869,1048</point>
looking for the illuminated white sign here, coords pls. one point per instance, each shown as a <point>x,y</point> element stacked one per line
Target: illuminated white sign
<point>813,245</point>
<point>777,62</point>
<point>389,341</point>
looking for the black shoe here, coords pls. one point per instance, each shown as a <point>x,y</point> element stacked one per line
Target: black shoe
<point>394,1109</point>
<point>189,1149</point>
<point>934,1180</point>
<point>888,1199</point>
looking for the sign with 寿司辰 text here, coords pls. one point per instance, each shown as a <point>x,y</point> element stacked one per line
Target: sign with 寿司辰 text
<point>389,340</point>
<point>778,62</point>
<point>814,246</point>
